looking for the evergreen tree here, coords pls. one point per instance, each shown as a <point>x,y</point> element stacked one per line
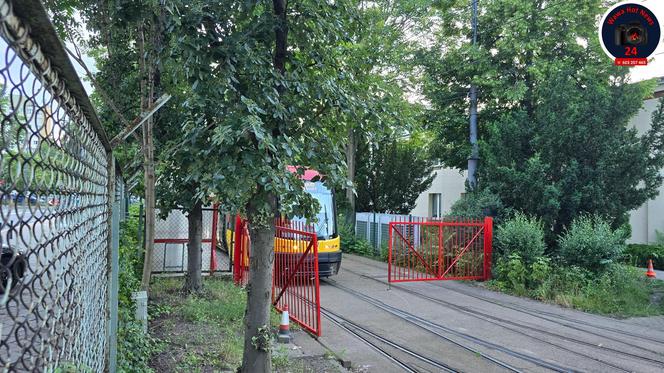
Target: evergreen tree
<point>391,174</point>
<point>553,111</point>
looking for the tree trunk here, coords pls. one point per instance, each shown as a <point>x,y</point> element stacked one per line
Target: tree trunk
<point>193,282</point>
<point>257,333</point>
<point>150,86</point>
<point>351,150</point>
<point>148,73</point>
<point>148,161</point>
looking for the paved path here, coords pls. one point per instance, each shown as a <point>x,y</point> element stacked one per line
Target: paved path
<point>467,328</point>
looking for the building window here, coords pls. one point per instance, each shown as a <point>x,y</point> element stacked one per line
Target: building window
<point>435,205</point>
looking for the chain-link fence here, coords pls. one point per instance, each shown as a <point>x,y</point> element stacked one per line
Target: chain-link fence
<point>171,240</point>
<point>58,292</point>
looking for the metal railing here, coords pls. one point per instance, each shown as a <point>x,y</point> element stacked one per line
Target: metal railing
<point>449,249</point>
<point>59,236</point>
<point>373,227</point>
<point>295,285</point>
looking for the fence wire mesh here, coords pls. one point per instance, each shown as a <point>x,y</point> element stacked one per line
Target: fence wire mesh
<point>171,240</point>
<point>54,215</point>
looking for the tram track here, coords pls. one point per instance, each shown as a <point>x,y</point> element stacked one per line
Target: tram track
<point>362,333</point>
<point>498,321</point>
<point>447,334</point>
<point>552,317</point>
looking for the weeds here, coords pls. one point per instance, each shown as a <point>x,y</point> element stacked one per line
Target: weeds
<point>620,291</point>
<point>207,329</point>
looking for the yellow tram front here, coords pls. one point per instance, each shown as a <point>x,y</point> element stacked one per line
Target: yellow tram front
<point>329,247</point>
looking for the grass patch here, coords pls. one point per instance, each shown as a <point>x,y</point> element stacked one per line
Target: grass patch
<point>203,332</point>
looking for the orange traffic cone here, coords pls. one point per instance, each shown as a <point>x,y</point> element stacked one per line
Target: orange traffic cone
<point>284,335</point>
<point>651,272</point>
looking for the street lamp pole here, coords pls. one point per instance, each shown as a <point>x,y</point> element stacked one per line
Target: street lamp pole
<point>474,158</point>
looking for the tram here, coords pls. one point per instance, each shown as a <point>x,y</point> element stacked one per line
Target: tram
<point>329,244</point>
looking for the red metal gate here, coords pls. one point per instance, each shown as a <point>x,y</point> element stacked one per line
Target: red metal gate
<point>295,278</point>
<point>241,252</point>
<point>440,250</point>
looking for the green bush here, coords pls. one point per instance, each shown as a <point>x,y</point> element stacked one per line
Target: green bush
<point>620,290</point>
<point>540,270</point>
<point>477,205</point>
<point>520,235</point>
<point>659,237</point>
<point>512,274</point>
<point>346,232</point>
<point>134,347</point>
<point>350,244</point>
<point>591,243</point>
<point>638,255</point>
<point>562,284</point>
<point>384,253</point>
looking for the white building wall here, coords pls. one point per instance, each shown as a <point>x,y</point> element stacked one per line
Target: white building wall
<point>648,218</point>
<point>450,183</point>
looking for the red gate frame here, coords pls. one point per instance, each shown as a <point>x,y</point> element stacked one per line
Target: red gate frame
<point>486,228</point>
<point>299,311</point>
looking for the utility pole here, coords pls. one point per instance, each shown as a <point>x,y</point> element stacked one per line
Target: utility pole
<point>474,158</point>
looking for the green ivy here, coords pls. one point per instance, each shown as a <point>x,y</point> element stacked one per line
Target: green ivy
<point>135,348</point>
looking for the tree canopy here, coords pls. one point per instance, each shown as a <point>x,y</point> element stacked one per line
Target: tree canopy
<point>553,111</point>
<point>391,174</point>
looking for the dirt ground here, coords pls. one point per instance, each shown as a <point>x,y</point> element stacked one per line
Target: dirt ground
<point>204,334</point>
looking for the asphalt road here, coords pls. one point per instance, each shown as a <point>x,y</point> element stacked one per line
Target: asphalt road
<point>455,326</point>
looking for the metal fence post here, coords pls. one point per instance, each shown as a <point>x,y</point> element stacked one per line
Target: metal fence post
<point>488,246</point>
<point>378,234</point>
<point>213,243</point>
<point>113,267</point>
<point>355,227</point>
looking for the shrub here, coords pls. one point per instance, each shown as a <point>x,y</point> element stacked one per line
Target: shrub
<point>563,284</point>
<point>540,271</point>
<point>521,235</point>
<point>511,274</point>
<point>477,205</point>
<point>638,255</point>
<point>134,347</point>
<point>346,232</point>
<point>591,243</point>
<point>659,237</point>
<point>384,253</point>
<point>515,276</point>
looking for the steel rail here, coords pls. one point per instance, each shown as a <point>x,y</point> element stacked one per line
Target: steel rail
<point>418,322</point>
<point>537,313</point>
<point>344,324</point>
<point>488,318</point>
